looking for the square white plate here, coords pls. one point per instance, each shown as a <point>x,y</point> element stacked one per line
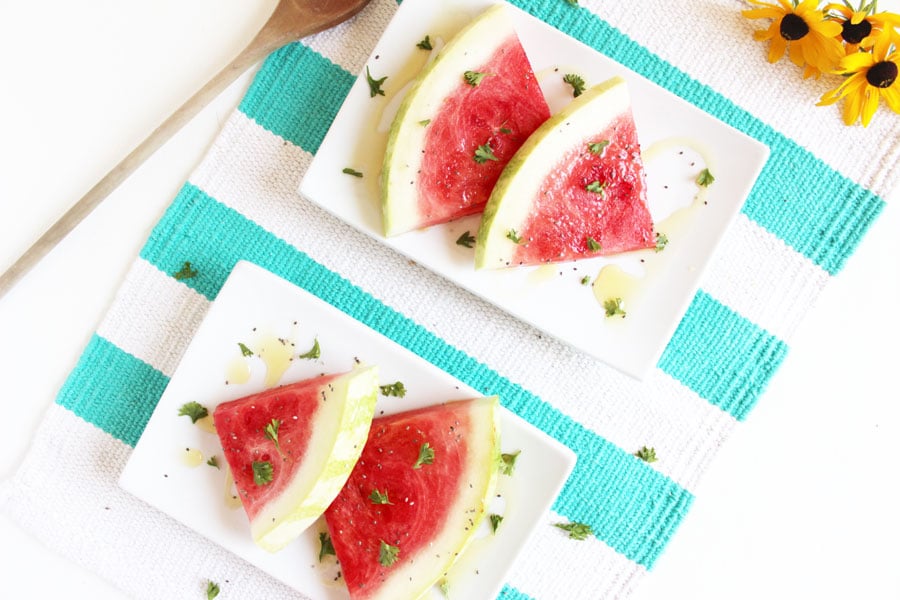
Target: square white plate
<point>253,307</point>
<point>677,138</point>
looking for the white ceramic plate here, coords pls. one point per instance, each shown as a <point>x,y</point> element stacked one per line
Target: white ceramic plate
<point>255,307</point>
<point>677,138</point>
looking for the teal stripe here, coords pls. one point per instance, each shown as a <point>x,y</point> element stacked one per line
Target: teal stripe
<point>113,390</point>
<point>511,593</point>
<point>631,507</point>
<point>296,95</point>
<point>813,208</point>
<point>722,356</point>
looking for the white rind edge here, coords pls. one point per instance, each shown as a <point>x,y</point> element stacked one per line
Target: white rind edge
<point>513,196</point>
<point>471,47</point>
<point>339,433</point>
<point>415,577</point>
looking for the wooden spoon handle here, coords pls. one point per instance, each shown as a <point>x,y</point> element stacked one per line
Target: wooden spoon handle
<point>270,37</point>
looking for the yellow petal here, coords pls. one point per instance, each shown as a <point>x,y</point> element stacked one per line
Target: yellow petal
<point>857,17</point>
<point>857,62</point>
<point>891,97</point>
<point>869,106</point>
<point>851,108</point>
<point>777,48</point>
<point>762,13</point>
<point>795,51</point>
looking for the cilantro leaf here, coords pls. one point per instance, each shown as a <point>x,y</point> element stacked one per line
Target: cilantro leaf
<point>596,187</point>
<point>426,456</point>
<point>374,84</point>
<point>186,272</point>
<point>262,472</point>
<point>466,239</point>
<point>614,306</point>
<point>473,78</point>
<point>577,531</point>
<point>513,236</point>
<point>325,546</point>
<point>378,498</point>
<point>646,454</point>
<point>349,171</point>
<point>495,522</point>
<point>194,410</point>
<point>271,431</point>
<point>598,147</point>
<point>661,242</point>
<point>508,462</point>
<point>313,352</point>
<point>425,44</point>
<point>394,389</point>
<point>484,153</point>
<point>213,461</point>
<point>576,82</point>
<point>705,178</point>
<point>593,245</point>
<point>245,351</point>
<point>585,280</point>
<point>212,590</point>
<point>444,586</point>
<point>424,122</point>
<point>387,554</point>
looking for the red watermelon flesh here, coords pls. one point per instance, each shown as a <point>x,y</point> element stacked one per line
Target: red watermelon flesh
<point>433,510</point>
<point>565,214</point>
<point>320,427</point>
<point>501,111</point>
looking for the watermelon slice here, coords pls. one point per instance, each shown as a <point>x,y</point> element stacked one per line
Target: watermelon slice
<point>291,448</point>
<point>401,521</point>
<point>575,189</point>
<point>431,173</point>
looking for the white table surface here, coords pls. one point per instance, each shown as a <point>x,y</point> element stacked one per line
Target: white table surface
<point>801,502</point>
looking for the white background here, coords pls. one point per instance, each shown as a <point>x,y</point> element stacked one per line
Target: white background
<point>801,502</point>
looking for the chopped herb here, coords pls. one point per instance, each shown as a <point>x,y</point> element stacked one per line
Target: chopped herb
<point>484,153</point>
<point>646,454</point>
<point>585,280</point>
<point>495,522</point>
<point>598,147</point>
<point>593,245</point>
<point>262,472</point>
<point>186,272</point>
<point>313,352</point>
<point>425,44</point>
<point>512,235</point>
<point>613,307</point>
<point>576,82</point>
<point>213,462</point>
<point>508,462</point>
<point>349,171</point>
<point>325,546</point>
<point>378,498</point>
<point>426,456</point>
<point>194,410</point>
<point>374,84</point>
<point>271,431</point>
<point>661,242</point>
<point>387,554</point>
<point>596,187</point>
<point>245,351</point>
<point>212,590</point>
<point>394,389</point>
<point>444,586</point>
<point>505,130</point>
<point>473,78</point>
<point>424,122</point>
<point>577,531</point>
<point>705,178</point>
<point>466,239</point>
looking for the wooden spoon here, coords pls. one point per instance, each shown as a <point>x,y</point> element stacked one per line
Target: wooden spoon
<point>290,21</point>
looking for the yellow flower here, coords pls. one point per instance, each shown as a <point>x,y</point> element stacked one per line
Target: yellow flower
<point>861,27</point>
<point>802,30</point>
<point>870,76</point>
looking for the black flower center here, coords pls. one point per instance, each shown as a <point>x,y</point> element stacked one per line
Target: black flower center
<point>793,27</point>
<point>882,75</point>
<point>854,34</point>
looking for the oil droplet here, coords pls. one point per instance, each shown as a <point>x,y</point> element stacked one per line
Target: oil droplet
<point>543,273</point>
<point>207,424</point>
<point>613,282</point>
<point>232,500</point>
<point>276,354</point>
<point>191,457</point>
<point>238,371</point>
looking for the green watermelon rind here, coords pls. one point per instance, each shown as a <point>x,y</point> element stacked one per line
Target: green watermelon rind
<point>473,45</point>
<point>340,430</point>
<point>510,203</point>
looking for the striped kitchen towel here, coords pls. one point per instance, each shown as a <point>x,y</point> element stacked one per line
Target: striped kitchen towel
<point>819,192</point>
